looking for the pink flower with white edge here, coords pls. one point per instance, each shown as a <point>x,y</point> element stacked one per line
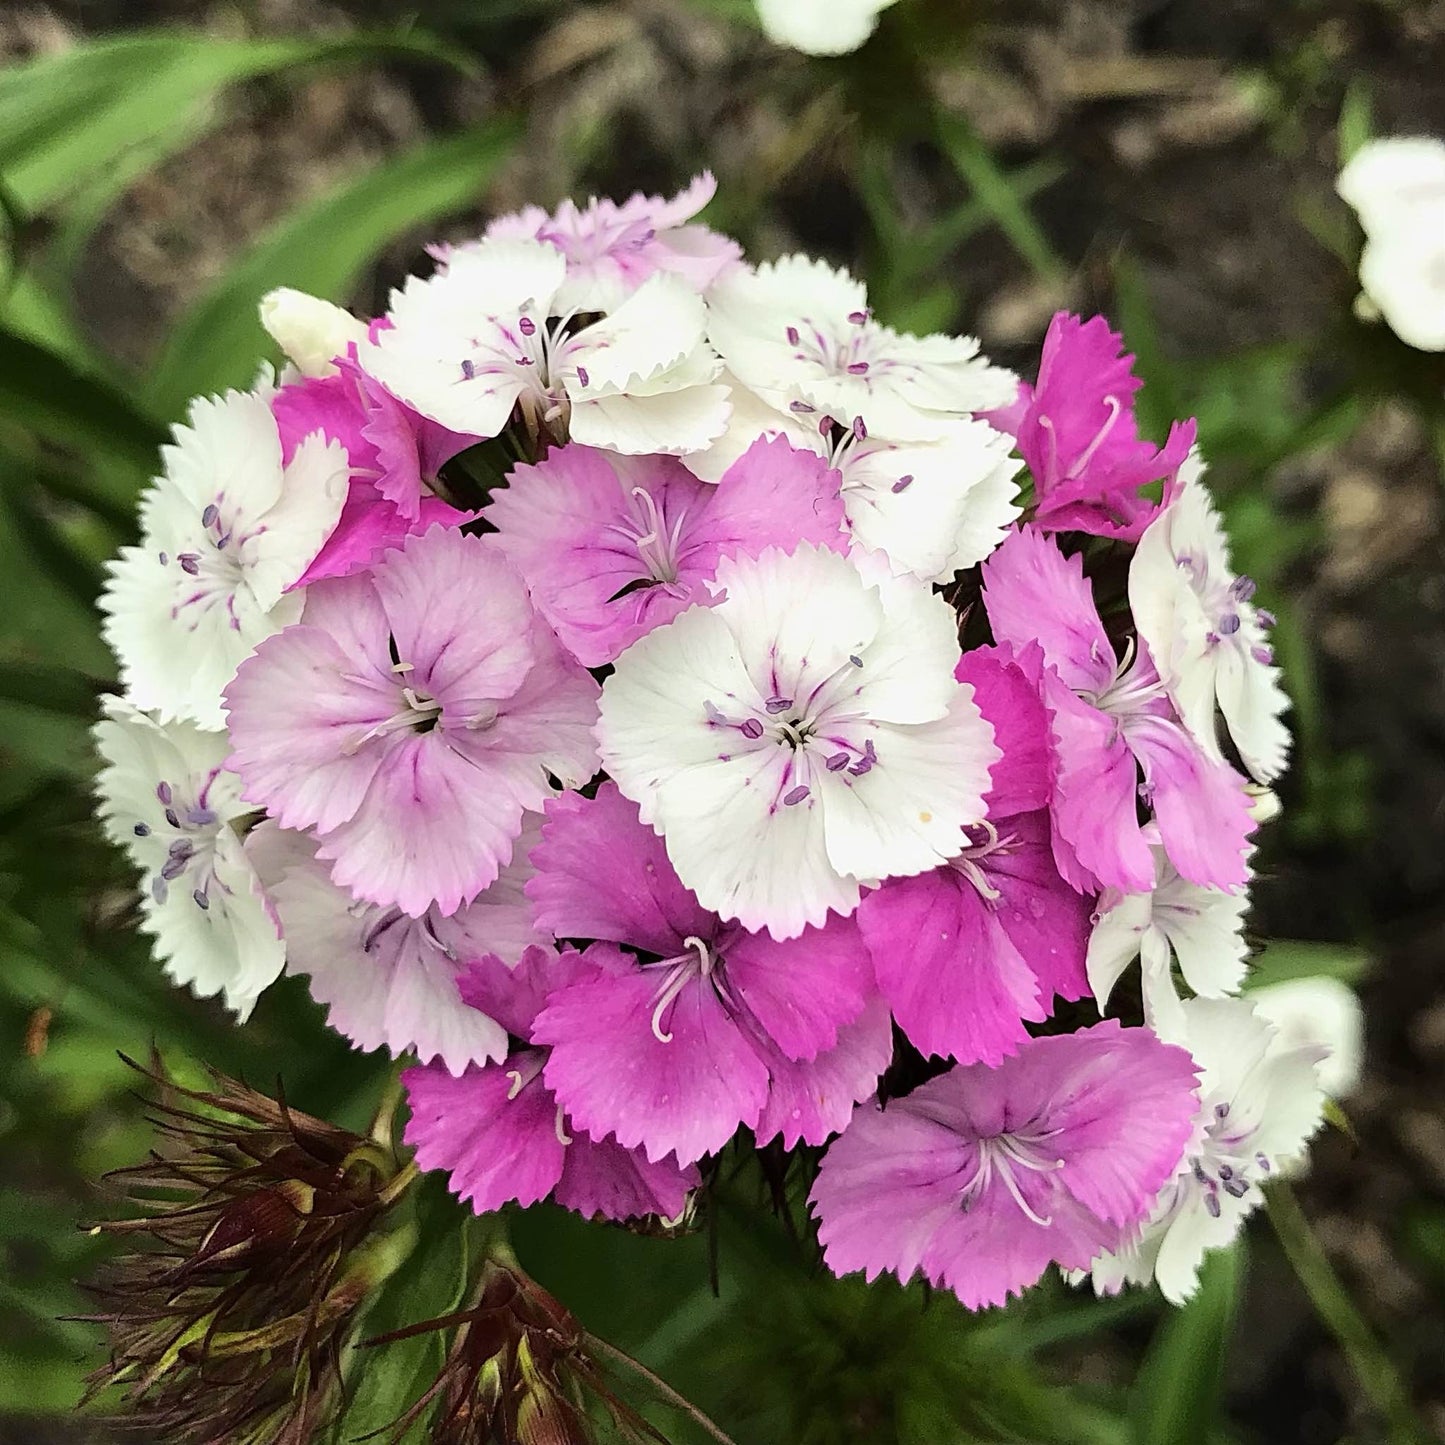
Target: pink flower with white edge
<point>612,247</point>
<point>394,456</point>
<point>612,546</point>
<point>699,1026</point>
<point>1204,632</point>
<point>981,1178</point>
<point>167,798</point>
<point>800,336</point>
<point>487,337</point>
<point>801,738</point>
<point>386,979</point>
<point>410,719</point>
<point>1260,1101</point>
<point>969,952</point>
<point>1076,430</point>
<point>1111,721</point>
<point>501,1135</point>
<point>226,531</point>
<point>1200,928</point>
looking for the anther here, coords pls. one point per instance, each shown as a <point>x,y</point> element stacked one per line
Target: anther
<point>752,728</point>
<point>776,705</point>
<point>903,483</point>
<point>582,376</point>
<point>837,762</point>
<point>469,369</point>
<point>210,516</point>
<point>860,429</point>
<point>527,326</point>
<point>200,900</point>
<point>793,337</point>
<point>795,795</point>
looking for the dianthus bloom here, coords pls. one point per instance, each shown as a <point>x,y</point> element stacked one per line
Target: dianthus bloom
<point>226,530</point>
<point>612,547</point>
<point>410,719</point>
<point>1260,1102</point>
<point>168,800</point>
<point>498,1130</point>
<point>487,337</point>
<point>803,737</point>
<point>699,1026</point>
<point>612,247</point>
<point>983,1177</point>
<point>1076,430</point>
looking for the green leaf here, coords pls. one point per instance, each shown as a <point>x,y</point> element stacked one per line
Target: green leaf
<point>994,191</point>
<point>1176,1398</point>
<point>324,248</point>
<point>1356,123</point>
<point>1285,958</point>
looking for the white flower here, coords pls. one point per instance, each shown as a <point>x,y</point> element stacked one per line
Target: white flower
<point>168,801</point>
<point>800,336</point>
<point>799,739</point>
<point>1397,188</point>
<point>820,27</point>
<point>389,980</point>
<point>1200,927</point>
<point>311,332</point>
<point>1322,1012</point>
<point>225,531</point>
<point>482,338</point>
<point>1206,637</point>
<point>1260,1102</point>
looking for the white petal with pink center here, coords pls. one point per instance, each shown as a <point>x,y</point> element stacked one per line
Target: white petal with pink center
<point>166,798</point>
<point>225,530</point>
<point>802,738</point>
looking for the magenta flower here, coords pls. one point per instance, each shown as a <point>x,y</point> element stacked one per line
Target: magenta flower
<point>1076,430</point>
<point>1111,721</point>
<point>393,453</point>
<point>410,718</point>
<point>614,546</point>
<point>965,954</point>
<point>499,1131</point>
<point>981,1178</point>
<point>613,247</point>
<point>702,1026</point>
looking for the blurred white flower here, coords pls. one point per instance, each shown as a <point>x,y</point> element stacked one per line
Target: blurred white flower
<point>820,27</point>
<point>1319,1012</point>
<point>312,332</point>
<point>1396,186</point>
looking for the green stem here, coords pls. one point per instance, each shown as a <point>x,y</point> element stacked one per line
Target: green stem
<point>598,1346</point>
<point>1373,1368</point>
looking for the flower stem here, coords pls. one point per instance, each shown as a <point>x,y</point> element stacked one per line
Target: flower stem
<point>597,1345</point>
<point>1373,1368</point>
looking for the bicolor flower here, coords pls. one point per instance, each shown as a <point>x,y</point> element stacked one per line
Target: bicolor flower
<point>612,247</point>
<point>694,1026</point>
<point>487,337</point>
<point>1200,928</point>
<point>1396,185</point>
<point>800,336</point>
<point>981,1178</point>
<point>499,1132</point>
<point>1076,430</point>
<point>226,530</point>
<point>1204,632</point>
<point>612,546</point>
<point>1260,1102</point>
<point>386,979</point>
<point>168,800</point>
<point>1111,721</point>
<point>803,737</point>
<point>410,719</point>
<point>820,27</point>
<point>967,953</point>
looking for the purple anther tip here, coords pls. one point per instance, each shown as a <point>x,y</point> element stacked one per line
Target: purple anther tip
<point>857,368</point>
<point>1228,624</point>
<point>163,792</point>
<point>793,336</point>
<point>582,376</point>
<point>776,705</point>
<point>903,483</point>
<point>752,728</point>
<point>527,326</point>
<point>210,516</point>
<point>795,795</point>
<point>200,899</point>
<point>837,762</point>
<point>860,429</point>
<point>858,318</point>
<point>469,369</point>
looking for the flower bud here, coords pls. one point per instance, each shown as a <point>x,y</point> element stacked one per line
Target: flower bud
<point>311,332</point>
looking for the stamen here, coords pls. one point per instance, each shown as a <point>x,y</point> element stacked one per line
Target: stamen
<point>855,659</point>
<point>860,428</point>
<point>142,830</point>
<point>858,318</point>
<point>159,889</point>
<point>563,1137</point>
<point>163,792</point>
<point>838,761</point>
<point>200,899</point>
<point>1087,455</point>
<point>1228,624</point>
<point>752,728</point>
<point>903,483</point>
<point>582,377</point>
<point>469,369</point>
<point>190,563</point>
<point>518,1084</point>
<point>857,368</point>
<point>793,337</point>
<point>795,795</point>
<point>210,515</point>
<point>775,705</point>
<point>1211,1203</point>
<point>527,326</point>
<point>801,408</point>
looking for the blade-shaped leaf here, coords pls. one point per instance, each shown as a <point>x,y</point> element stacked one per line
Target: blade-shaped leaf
<point>324,248</point>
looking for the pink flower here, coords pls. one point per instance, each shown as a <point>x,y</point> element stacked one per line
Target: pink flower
<point>702,1026</point>
<point>500,1133</point>
<point>965,954</point>
<point>981,1178</point>
<point>393,454</point>
<point>612,546</point>
<point>612,248</point>
<point>1111,720</point>
<point>410,718</point>
<point>1076,430</point>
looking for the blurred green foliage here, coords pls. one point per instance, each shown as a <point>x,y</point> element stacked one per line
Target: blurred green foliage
<point>778,1350</point>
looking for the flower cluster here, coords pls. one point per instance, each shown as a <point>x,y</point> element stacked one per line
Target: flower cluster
<point>647,690</point>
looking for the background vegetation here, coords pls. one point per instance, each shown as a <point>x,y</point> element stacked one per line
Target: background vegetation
<point>1171,163</point>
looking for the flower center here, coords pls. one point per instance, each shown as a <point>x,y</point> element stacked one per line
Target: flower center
<point>192,850</point>
<point>1226,1159</point>
<point>1003,1157</point>
<point>699,962</point>
<point>658,546</point>
<point>984,840</point>
<point>214,571</point>
<point>1053,475</point>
